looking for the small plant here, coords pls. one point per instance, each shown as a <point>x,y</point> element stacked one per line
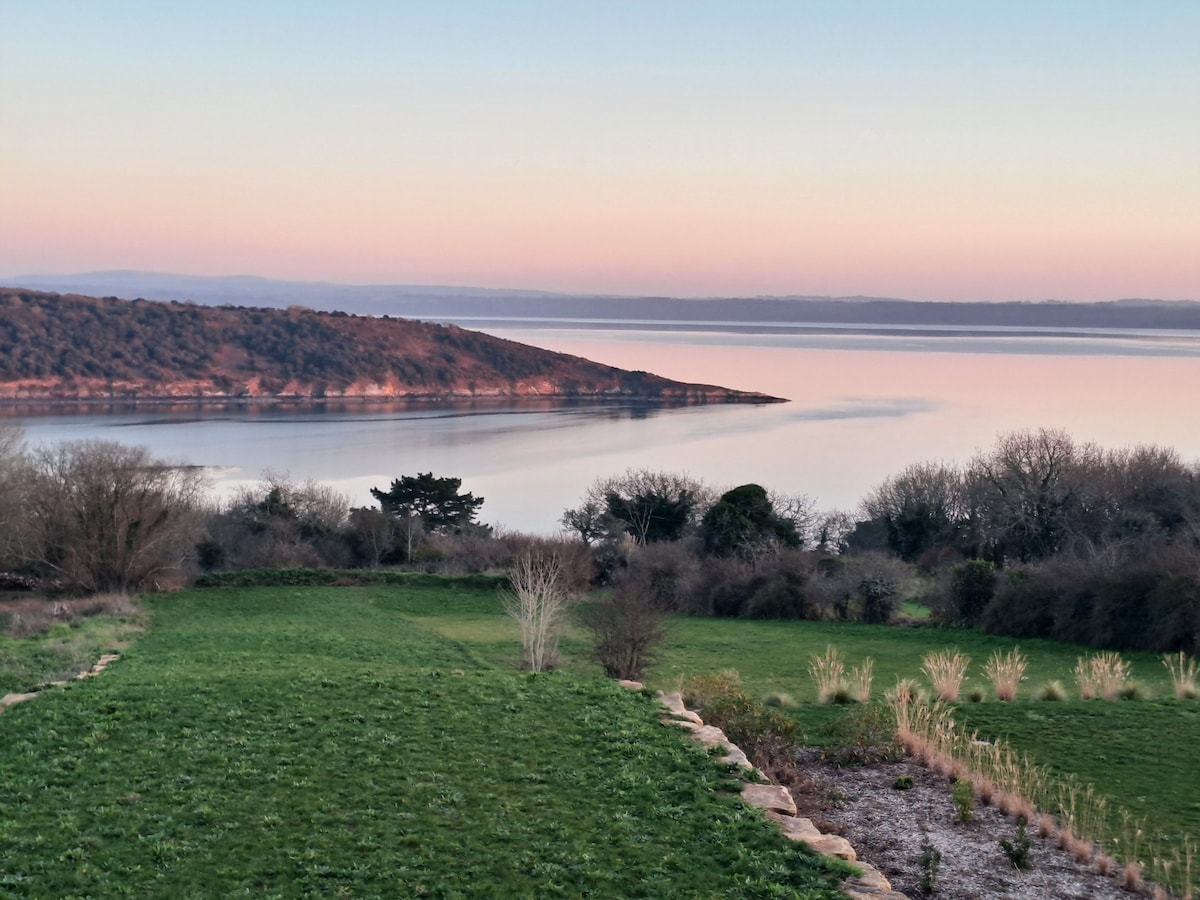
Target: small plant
<point>903,783</point>
<point>1135,690</point>
<point>1184,673</point>
<point>828,672</point>
<point>1005,671</point>
<point>1017,850</point>
<point>931,861</point>
<point>1052,690</point>
<point>976,695</point>
<point>779,699</point>
<point>963,795</point>
<point>946,671</point>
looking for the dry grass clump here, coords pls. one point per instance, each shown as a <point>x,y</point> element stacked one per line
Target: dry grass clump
<point>1103,675</point>
<point>30,616</point>
<point>829,673</point>
<point>779,699</point>
<point>860,680</point>
<point>1005,671</point>
<point>1184,673</point>
<point>946,671</point>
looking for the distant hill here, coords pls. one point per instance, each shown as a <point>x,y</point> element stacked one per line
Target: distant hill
<point>71,347</point>
<point>450,304</point>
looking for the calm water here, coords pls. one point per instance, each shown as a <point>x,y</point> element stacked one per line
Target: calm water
<point>862,407</point>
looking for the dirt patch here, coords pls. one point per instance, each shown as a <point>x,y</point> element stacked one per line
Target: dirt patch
<point>888,826</point>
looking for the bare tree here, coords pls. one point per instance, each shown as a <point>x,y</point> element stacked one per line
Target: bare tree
<point>921,508</point>
<point>13,461</point>
<point>649,505</point>
<point>538,603</point>
<point>1030,492</point>
<point>106,516</point>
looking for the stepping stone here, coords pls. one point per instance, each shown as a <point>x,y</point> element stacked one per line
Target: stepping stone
<point>625,683</point>
<point>14,699</point>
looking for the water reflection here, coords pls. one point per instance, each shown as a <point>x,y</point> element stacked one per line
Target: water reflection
<point>862,407</point>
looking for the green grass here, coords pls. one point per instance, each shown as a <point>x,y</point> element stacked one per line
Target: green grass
<point>379,741</point>
<point>774,656</point>
<point>62,652</point>
<point>1139,754</point>
<point>298,741</point>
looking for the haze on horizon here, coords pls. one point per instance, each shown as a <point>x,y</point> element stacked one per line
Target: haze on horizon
<point>1021,151</point>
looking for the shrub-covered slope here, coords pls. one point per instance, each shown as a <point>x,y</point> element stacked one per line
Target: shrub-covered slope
<point>55,346</point>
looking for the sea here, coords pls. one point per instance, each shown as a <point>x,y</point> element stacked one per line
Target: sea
<point>862,404</point>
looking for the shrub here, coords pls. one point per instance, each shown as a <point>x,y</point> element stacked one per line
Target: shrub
<point>1017,849</point>
<point>769,739</point>
<point>626,632</point>
<point>931,861</point>
<point>963,795</point>
<point>971,588</point>
<point>1052,690</point>
<point>903,783</point>
<point>1005,671</point>
<point>862,735</point>
<point>946,671</point>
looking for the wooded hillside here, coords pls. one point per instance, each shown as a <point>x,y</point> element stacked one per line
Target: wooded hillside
<point>55,346</point>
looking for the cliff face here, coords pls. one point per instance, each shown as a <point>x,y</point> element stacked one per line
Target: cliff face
<point>69,347</point>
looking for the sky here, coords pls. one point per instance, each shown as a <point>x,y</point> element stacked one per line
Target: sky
<point>926,150</point>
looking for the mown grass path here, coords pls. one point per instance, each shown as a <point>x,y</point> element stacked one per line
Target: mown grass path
<point>287,742</point>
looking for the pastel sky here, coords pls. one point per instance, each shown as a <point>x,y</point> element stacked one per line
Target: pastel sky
<point>929,150</point>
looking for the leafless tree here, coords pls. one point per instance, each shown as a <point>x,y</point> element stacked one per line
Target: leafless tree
<point>1029,492</point>
<point>922,508</point>
<point>13,462</point>
<point>647,504</point>
<point>538,602</point>
<point>105,516</point>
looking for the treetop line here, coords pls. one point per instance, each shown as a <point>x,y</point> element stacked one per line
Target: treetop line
<point>1040,535</point>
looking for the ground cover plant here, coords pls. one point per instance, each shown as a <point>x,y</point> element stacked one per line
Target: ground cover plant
<point>326,741</point>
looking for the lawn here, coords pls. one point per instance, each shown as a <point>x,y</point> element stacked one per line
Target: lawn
<point>379,741</point>
<point>299,741</point>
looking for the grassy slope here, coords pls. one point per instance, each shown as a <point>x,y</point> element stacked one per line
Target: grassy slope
<point>1139,754</point>
<point>297,741</point>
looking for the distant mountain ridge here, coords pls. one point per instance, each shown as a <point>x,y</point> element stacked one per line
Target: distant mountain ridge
<point>72,347</point>
<point>448,304</point>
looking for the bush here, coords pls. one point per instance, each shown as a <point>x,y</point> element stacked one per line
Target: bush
<point>971,588</point>
<point>863,735</point>
<point>626,632</point>
<point>769,739</point>
<point>963,795</point>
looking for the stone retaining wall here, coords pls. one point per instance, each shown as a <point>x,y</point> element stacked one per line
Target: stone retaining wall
<point>776,802</point>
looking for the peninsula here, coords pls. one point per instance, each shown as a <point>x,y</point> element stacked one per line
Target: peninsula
<point>67,347</point>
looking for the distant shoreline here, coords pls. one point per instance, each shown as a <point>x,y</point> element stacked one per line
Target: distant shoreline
<point>823,328</point>
<point>69,405</point>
